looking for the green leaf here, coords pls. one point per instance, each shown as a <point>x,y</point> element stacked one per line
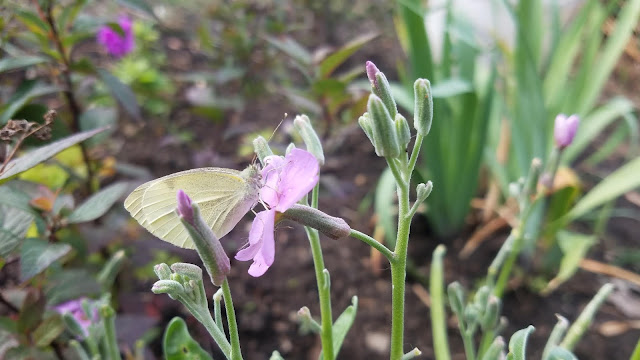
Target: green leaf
<point>27,91</point>
<point>33,22</point>
<point>342,325</point>
<point>574,248</point>
<point>35,157</point>
<point>8,64</point>
<point>622,180</point>
<point>518,344</point>
<point>14,224</point>
<point>36,255</point>
<point>98,204</point>
<point>451,87</point>
<point>179,345</point>
<point>290,47</point>
<point>558,353</point>
<point>96,118</point>
<point>328,65</point>
<point>48,330</point>
<point>139,5</point>
<point>31,312</point>
<point>121,92</point>
<point>70,284</point>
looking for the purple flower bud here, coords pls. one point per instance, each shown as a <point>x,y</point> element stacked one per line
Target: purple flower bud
<point>184,207</point>
<point>115,43</point>
<point>372,70</point>
<point>565,130</point>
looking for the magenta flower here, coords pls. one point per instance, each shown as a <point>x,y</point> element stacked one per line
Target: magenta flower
<point>286,180</point>
<point>115,43</point>
<point>74,307</point>
<point>565,129</point>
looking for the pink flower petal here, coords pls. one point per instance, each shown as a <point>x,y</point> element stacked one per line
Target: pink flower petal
<point>271,177</point>
<point>261,243</point>
<point>297,178</point>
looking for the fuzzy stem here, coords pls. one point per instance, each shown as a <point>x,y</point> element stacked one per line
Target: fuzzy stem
<point>438,313</point>
<point>236,353</point>
<point>204,317</point>
<point>324,291</point>
<point>373,243</point>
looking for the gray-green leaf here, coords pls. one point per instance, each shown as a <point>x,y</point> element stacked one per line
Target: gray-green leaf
<point>179,345</point>
<point>518,344</point>
<point>98,204</point>
<point>37,255</point>
<point>35,157</point>
<point>14,224</point>
<point>121,92</point>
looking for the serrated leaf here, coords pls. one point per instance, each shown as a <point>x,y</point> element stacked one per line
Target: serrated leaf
<point>98,204</point>
<point>121,92</point>
<point>8,64</point>
<point>14,224</point>
<point>328,65</point>
<point>518,344</point>
<point>36,255</point>
<point>27,91</point>
<point>179,345</point>
<point>34,157</point>
<point>48,330</point>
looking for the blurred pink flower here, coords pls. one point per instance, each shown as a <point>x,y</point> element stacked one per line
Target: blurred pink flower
<point>74,307</point>
<point>565,129</point>
<point>115,43</point>
<point>286,180</point>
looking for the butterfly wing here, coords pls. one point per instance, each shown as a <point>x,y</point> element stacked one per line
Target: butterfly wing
<point>223,195</point>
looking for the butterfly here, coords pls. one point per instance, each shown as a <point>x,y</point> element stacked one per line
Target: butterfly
<point>223,195</point>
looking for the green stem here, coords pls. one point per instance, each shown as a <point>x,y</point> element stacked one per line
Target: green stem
<point>414,153</point>
<point>399,269</point>
<point>324,291</point>
<point>204,317</point>
<point>236,353</point>
<point>111,343</point>
<point>467,340</point>
<point>512,253</point>
<point>438,314</point>
<point>373,243</point>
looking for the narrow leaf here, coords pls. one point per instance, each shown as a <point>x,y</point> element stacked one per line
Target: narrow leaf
<point>14,224</point>
<point>35,157</point>
<point>291,48</point>
<point>20,62</point>
<point>622,180</point>
<point>27,91</point>
<point>48,330</point>
<point>328,65</point>
<point>574,248</point>
<point>121,92</point>
<point>518,343</point>
<point>98,204</point>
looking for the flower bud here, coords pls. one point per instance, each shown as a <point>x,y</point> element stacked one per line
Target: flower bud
<point>491,313</point>
<point>309,136</point>
<point>385,137</point>
<point>208,246</point>
<point>163,271</point>
<point>190,271</point>
<point>424,190</point>
<point>495,350</point>
<point>74,326</point>
<point>471,315</point>
<point>366,124</point>
<point>482,297</point>
<point>565,129</point>
<point>381,88</point>
<point>423,106</point>
<point>167,287</point>
<point>333,227</point>
<point>532,178</point>
<point>262,149</point>
<point>455,292</point>
<point>185,210</point>
<point>403,131</point>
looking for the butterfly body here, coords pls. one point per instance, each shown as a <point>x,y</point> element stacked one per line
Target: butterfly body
<point>223,195</point>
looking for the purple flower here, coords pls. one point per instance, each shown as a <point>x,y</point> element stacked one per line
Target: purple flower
<point>286,180</point>
<point>565,129</point>
<point>372,70</point>
<point>115,43</point>
<point>74,307</point>
<point>184,207</point>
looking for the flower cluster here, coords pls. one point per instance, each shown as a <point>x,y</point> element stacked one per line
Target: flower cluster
<point>114,42</point>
